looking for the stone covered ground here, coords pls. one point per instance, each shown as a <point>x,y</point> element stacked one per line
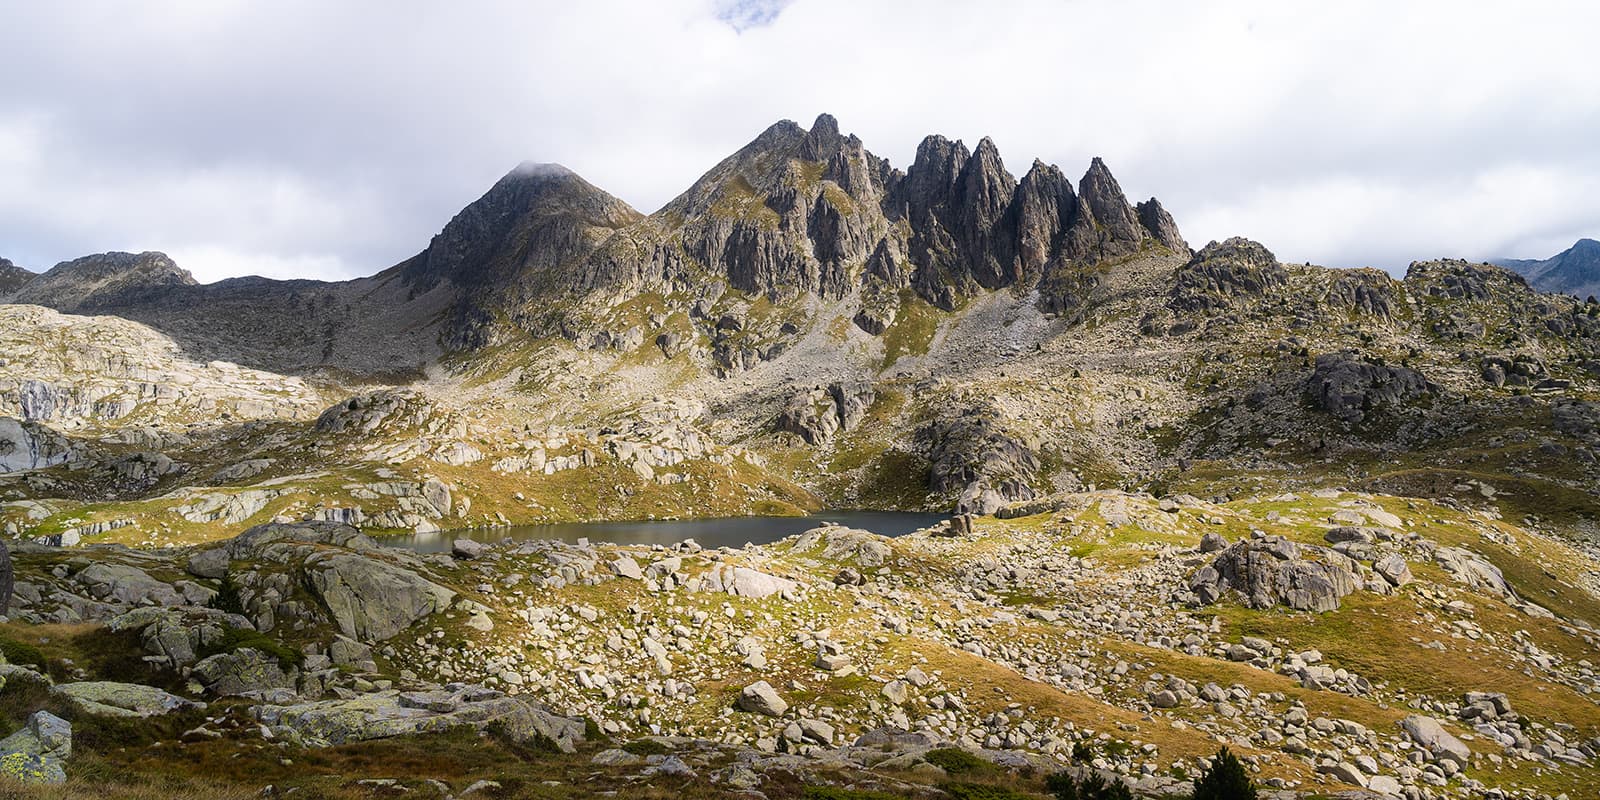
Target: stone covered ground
<point>1339,643</point>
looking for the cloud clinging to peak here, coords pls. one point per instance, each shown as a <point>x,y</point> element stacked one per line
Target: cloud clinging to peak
<point>332,139</point>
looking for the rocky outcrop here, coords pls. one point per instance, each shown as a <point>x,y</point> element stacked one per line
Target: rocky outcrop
<point>386,714</point>
<point>817,415</point>
<point>12,278</point>
<point>1365,292</point>
<point>1351,387</point>
<point>1272,570</point>
<point>113,699</point>
<point>245,672</point>
<point>1230,275</point>
<point>977,458</point>
<point>176,637</point>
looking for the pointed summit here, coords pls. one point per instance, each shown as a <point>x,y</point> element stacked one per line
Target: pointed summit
<point>1106,200</point>
<point>823,140</point>
<point>537,216</point>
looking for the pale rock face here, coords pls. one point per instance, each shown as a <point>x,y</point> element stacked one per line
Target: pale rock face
<point>761,698</point>
<point>391,713</point>
<point>26,446</point>
<point>110,699</point>
<point>1431,736</point>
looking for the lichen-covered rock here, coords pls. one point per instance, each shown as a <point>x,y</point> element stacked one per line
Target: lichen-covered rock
<point>112,699</point>
<point>177,635</point>
<point>243,673</point>
<point>745,582</point>
<point>37,753</point>
<point>840,544</point>
<point>1273,570</point>
<point>380,715</point>
<point>128,585</point>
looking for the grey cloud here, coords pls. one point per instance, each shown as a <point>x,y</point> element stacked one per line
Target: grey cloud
<point>332,139</point>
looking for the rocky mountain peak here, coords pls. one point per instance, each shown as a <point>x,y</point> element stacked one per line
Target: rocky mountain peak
<point>537,216</point>
<point>104,280</point>
<point>1099,188</point>
<point>823,140</point>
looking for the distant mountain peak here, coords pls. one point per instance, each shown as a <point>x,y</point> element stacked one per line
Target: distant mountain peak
<point>1574,271</point>
<point>105,280</point>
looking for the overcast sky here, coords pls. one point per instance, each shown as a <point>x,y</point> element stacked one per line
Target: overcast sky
<point>332,139</point>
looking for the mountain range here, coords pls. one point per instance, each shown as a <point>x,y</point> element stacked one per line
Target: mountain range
<point>1343,523</point>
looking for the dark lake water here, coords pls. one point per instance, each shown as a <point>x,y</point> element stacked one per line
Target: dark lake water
<point>711,533</point>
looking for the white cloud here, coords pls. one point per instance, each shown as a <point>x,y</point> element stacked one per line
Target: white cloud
<point>337,137</point>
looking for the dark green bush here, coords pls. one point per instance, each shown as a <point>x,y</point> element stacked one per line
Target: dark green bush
<point>1225,780</point>
<point>982,791</point>
<point>241,638</point>
<point>840,793</point>
<point>20,653</point>
<point>228,598</point>
<point>1063,786</point>
<point>956,761</point>
<point>646,747</point>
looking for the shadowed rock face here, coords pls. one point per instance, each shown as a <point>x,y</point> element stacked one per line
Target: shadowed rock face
<point>1350,387</point>
<point>12,277</point>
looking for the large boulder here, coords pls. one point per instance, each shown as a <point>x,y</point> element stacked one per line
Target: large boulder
<point>1273,570</point>
<point>840,544</point>
<point>1433,738</point>
<point>389,713</point>
<point>111,699</point>
<point>38,753</point>
<point>1350,387</point>
<point>761,698</point>
<point>745,582</point>
<point>246,672</point>
<point>127,585</point>
<point>372,600</point>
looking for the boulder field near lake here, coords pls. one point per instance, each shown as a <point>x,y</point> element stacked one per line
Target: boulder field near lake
<point>1341,523</point>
